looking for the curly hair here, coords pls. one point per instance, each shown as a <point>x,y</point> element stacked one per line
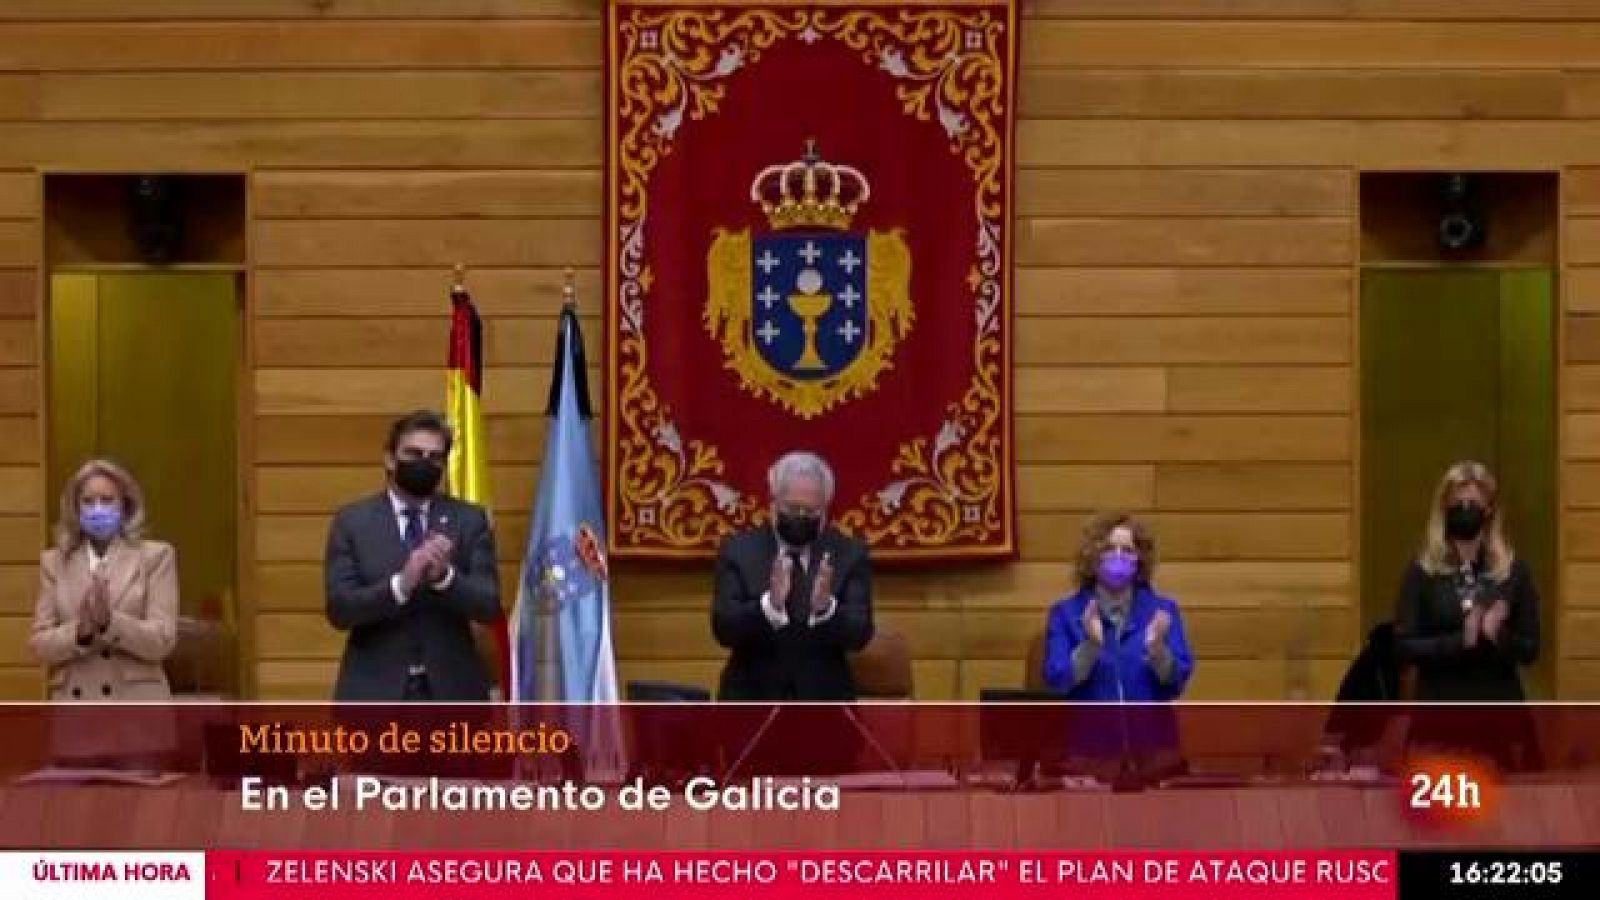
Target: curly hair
<point>1096,537</point>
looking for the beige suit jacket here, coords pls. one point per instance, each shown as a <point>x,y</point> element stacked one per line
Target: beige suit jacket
<point>124,662</point>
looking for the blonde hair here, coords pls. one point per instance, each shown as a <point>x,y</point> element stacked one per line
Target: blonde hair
<point>1437,555</point>
<point>69,536</point>
<point>1097,536</point>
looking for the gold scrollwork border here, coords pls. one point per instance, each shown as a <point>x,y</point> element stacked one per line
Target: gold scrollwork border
<point>949,494</point>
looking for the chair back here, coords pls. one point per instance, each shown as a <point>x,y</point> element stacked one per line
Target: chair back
<point>882,669</point>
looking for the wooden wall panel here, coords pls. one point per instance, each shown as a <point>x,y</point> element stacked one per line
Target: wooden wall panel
<point>1106,340</point>
<point>335,293</point>
<point>19,588</point>
<point>1295,94</point>
<point>21,491</point>
<point>493,94</point>
<point>1221,536</point>
<point>18,97</point>
<point>19,191</point>
<point>1446,144</point>
<point>1124,193</point>
<point>433,194</point>
<point>18,297</point>
<point>20,537</point>
<point>19,390</point>
<point>1047,487</point>
<point>14,656</point>
<point>1312,45</point>
<point>358,439</point>
<point>1407,10</point>
<point>24,510</point>
<point>1101,438</point>
<point>396,342</point>
<point>343,391</point>
<point>1260,389</point>
<point>1259,241</point>
<point>420,143</point>
<point>298,44</point>
<point>1184,282</point>
<point>323,489</point>
<point>1577,671</point>
<point>1581,587</point>
<point>233,10</point>
<point>19,244</point>
<point>1253,486</point>
<point>517,242</point>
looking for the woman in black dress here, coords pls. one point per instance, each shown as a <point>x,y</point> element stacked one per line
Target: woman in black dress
<point>1468,616</point>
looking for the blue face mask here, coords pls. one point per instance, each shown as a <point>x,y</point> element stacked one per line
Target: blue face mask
<point>101,522</point>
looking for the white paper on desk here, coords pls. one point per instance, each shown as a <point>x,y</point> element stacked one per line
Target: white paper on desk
<point>915,780</point>
<point>101,776</point>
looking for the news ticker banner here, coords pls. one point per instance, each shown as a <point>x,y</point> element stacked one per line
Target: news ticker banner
<point>849,778</point>
<point>1123,875</point>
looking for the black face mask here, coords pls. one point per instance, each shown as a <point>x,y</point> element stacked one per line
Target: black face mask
<point>418,477</point>
<point>798,531</point>
<point>1464,521</point>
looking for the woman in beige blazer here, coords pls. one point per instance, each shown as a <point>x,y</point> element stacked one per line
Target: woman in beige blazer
<point>107,611</point>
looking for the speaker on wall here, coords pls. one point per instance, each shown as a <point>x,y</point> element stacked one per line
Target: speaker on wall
<point>1463,224</point>
<point>156,217</point>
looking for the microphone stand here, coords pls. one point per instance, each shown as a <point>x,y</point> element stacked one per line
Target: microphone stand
<point>850,715</point>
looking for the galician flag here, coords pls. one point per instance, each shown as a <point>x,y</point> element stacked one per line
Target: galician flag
<point>561,628</point>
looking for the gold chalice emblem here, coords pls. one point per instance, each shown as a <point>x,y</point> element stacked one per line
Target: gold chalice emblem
<point>810,304</point>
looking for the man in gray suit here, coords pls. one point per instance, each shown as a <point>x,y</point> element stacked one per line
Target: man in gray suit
<point>407,571</point>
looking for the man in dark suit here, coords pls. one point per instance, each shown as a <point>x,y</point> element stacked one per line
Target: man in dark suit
<point>793,598</point>
<point>407,571</point>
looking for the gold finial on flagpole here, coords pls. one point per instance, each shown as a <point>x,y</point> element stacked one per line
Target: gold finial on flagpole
<point>459,279</point>
<point>569,290</point>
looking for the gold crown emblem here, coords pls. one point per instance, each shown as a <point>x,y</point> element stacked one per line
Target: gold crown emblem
<point>809,192</point>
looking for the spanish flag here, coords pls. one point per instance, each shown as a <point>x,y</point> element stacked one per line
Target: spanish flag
<point>469,458</point>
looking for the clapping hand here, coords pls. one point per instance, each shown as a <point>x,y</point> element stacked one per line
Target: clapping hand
<point>1093,628</point>
<point>779,580</point>
<point>822,586</point>
<point>1155,634</point>
<point>438,549</point>
<point>418,567</point>
<point>1473,626</point>
<point>96,614</point>
<point>1494,619</point>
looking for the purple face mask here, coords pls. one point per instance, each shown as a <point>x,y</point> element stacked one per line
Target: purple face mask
<point>1116,570</point>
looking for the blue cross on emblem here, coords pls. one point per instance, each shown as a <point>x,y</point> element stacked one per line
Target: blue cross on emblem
<point>808,317</point>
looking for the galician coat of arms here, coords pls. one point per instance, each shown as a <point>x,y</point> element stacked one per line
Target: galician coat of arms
<point>809,313</point>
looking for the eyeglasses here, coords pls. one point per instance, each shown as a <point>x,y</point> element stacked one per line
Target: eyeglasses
<point>1119,550</point>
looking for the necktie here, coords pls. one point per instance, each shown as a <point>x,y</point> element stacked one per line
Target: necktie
<point>414,532</point>
<point>799,605</point>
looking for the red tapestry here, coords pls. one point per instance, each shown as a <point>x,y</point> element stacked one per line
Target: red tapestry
<point>808,216</point>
